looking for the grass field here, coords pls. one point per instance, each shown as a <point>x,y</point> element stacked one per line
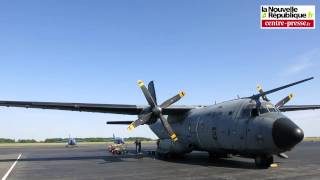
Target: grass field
<point>311,139</point>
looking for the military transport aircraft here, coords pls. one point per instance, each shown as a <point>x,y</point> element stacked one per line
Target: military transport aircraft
<point>117,140</point>
<point>71,142</point>
<point>250,126</point>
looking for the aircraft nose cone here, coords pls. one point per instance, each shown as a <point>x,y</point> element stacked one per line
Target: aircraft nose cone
<point>286,134</point>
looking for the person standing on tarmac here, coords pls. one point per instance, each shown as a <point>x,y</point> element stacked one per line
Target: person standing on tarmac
<point>136,142</point>
<point>139,146</point>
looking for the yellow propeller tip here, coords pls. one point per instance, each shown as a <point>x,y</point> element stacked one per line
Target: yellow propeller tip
<point>140,83</point>
<point>259,87</point>
<point>131,127</point>
<point>274,165</point>
<point>174,137</point>
<point>181,93</point>
<point>290,96</point>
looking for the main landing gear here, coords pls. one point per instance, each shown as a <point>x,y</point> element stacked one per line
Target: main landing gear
<point>263,161</point>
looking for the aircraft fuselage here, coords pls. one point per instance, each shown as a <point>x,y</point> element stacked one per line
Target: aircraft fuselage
<point>235,127</point>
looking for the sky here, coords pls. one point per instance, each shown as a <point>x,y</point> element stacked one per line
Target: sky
<point>95,51</point>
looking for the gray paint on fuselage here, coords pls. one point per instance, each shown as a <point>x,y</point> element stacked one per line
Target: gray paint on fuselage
<point>222,128</point>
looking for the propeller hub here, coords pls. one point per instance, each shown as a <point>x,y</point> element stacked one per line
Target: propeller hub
<point>154,111</point>
<point>157,110</point>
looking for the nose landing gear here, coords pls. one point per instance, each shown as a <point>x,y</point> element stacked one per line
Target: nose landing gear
<point>263,161</point>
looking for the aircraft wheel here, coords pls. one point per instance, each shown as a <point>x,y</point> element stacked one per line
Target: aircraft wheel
<point>263,161</point>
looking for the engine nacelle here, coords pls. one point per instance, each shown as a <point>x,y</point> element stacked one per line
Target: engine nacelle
<point>168,146</point>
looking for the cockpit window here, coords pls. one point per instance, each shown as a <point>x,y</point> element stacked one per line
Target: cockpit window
<point>271,108</point>
<point>263,110</point>
<point>252,111</point>
<point>249,111</point>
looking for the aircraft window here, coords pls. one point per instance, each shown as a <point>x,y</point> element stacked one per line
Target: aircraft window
<point>272,110</point>
<point>263,110</point>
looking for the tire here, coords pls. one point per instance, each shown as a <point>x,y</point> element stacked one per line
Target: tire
<point>263,161</point>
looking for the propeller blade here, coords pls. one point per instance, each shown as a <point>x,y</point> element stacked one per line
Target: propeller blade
<point>147,94</point>
<point>152,91</point>
<point>119,122</point>
<point>167,126</point>
<point>283,156</point>
<point>256,96</point>
<point>264,97</point>
<point>155,110</point>
<point>142,120</point>
<point>172,100</point>
<point>284,101</point>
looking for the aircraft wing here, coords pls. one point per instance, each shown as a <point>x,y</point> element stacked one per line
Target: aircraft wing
<point>180,109</point>
<point>98,108</point>
<point>298,107</point>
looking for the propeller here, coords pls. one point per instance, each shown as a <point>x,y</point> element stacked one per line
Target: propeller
<point>260,90</point>
<point>284,101</point>
<point>262,93</point>
<point>155,110</point>
<point>280,103</point>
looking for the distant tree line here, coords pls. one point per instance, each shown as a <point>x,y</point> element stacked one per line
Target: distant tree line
<point>94,139</point>
<point>3,140</point>
<point>27,141</point>
<point>65,140</point>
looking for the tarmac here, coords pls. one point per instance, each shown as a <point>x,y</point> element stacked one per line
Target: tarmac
<point>94,162</point>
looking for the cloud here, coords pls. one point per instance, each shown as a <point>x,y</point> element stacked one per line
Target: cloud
<point>304,62</point>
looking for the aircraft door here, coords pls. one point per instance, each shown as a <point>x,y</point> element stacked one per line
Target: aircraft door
<point>207,131</point>
<point>226,130</point>
<point>243,121</point>
<point>192,130</point>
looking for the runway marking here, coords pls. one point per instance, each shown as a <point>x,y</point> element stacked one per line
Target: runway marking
<point>11,168</point>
